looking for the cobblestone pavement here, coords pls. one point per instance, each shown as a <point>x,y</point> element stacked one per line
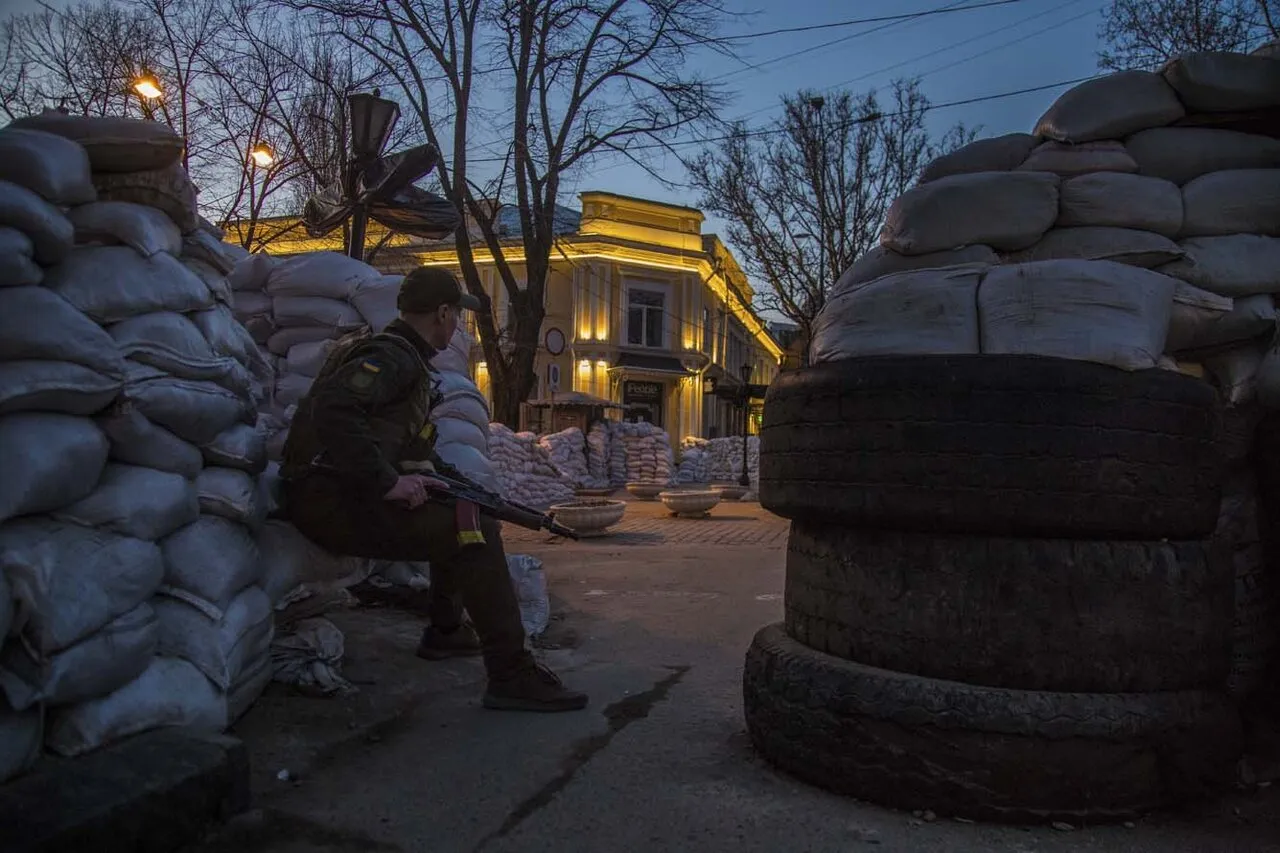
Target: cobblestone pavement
<point>649,523</point>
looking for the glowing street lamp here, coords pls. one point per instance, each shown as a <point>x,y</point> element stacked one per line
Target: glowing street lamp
<point>147,85</point>
<point>263,155</point>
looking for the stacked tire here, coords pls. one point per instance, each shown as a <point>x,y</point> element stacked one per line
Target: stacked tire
<point>1003,597</point>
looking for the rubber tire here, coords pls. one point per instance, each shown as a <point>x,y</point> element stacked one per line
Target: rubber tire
<point>978,752</point>
<point>1030,614</point>
<point>1018,446</point>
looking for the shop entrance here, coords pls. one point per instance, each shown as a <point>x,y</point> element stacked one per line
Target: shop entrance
<point>643,400</point>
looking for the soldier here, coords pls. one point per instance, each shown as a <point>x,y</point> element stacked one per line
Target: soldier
<point>357,475</point>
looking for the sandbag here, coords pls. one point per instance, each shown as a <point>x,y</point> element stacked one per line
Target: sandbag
<point>1115,200</point>
<point>1267,377</point>
<point>924,312</point>
<point>290,388</point>
<point>1016,208</point>
<point>21,734</point>
<point>6,607</point>
<point>48,460</point>
<point>293,311</point>
<point>247,303</point>
<point>230,494</point>
<point>134,501</point>
<point>52,235</point>
<point>996,154</point>
<point>229,338</point>
<point>287,558</point>
<point>68,581</point>
<point>143,229</point>
<point>113,144</point>
<point>220,648</point>
<point>880,261</point>
<point>327,274</point>
<point>54,386</point>
<point>1221,82</point>
<point>168,189</point>
<point>170,692</point>
<point>461,431</point>
<point>456,357</point>
<point>1122,245</point>
<point>214,280</point>
<point>1081,159</point>
<point>307,359</point>
<point>204,247</point>
<point>194,410</point>
<point>471,408</point>
<point>253,682</point>
<point>1242,201</point>
<point>114,283</point>
<point>174,344</point>
<point>1248,318</point>
<point>137,441</point>
<point>474,464</point>
<point>104,661</point>
<point>251,273</point>
<point>241,446</point>
<point>1235,265</point>
<point>376,300</point>
<point>1237,373</point>
<point>54,168</point>
<point>1111,107</point>
<point>17,269</point>
<point>36,323</point>
<point>283,340</point>
<point>208,562</point>
<point>1095,311</point>
<point>1181,154</point>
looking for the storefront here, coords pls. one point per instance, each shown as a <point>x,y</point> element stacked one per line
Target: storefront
<point>643,399</point>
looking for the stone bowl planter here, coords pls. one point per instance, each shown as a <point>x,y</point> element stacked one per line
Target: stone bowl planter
<point>593,493</point>
<point>591,517</point>
<point>730,491</point>
<point>645,491</point>
<point>690,504</point>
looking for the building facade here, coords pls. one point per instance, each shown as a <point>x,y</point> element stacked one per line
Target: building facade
<point>642,309</point>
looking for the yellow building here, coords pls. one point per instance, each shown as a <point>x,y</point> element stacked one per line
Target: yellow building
<point>642,309</point>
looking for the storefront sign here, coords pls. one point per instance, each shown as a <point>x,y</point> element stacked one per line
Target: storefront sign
<point>641,392</point>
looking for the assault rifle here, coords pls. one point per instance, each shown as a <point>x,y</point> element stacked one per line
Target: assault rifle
<point>494,505</point>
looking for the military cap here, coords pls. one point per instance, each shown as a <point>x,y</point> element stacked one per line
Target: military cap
<point>427,288</point>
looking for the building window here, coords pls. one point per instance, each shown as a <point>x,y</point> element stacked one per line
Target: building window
<point>707,332</point>
<point>645,317</point>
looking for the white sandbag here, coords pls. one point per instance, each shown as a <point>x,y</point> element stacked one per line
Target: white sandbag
<point>113,144</point>
<point>203,246</point>
<point>327,274</point>
<point>253,682</point>
<point>21,734</point>
<point>52,235</point>
<point>471,408</point>
<point>924,312</point>
<point>54,168</point>
<point>251,273</point>
<point>1016,209</point>
<point>36,323</point>
<point>170,692</point>
<point>247,303</point>
<point>307,359</point>
<point>230,494</point>
<point>137,441</point>
<point>283,340</point>
<point>114,283</point>
<point>68,581</point>
<point>456,357</point>
<point>229,338</point>
<point>104,661</point>
<point>172,343</point>
<point>1111,107</point>
<point>54,386</point>
<point>1221,82</point>
<point>194,410</point>
<point>220,648</point>
<point>1121,245</point>
<point>310,656</point>
<point>1237,373</point>
<point>1085,310</point>
<point>996,154</point>
<point>376,301</point>
<point>143,229</point>
<point>293,311</point>
<point>214,280</point>
<point>1242,201</point>
<point>17,268</point>
<point>880,261</point>
<point>48,460</point>
<point>135,501</point>
<point>287,558</point>
<point>461,431</point>
<point>1084,158</point>
<point>1181,154</point>
<point>1236,265</point>
<point>530,583</point>
<point>291,388</point>
<point>1111,199</point>
<point>241,446</point>
<point>209,562</point>
<point>1248,318</point>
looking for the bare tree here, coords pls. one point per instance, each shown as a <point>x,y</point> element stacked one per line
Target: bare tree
<point>807,196</point>
<point>1145,34</point>
<point>543,88</point>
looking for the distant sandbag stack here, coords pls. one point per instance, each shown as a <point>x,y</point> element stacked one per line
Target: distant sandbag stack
<point>1137,226</point>
<point>129,577</point>
<point>718,460</point>
<point>524,469</point>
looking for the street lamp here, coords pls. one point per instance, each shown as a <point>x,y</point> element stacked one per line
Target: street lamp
<point>147,85</point>
<point>745,480</point>
<point>263,155</point>
<point>372,120</point>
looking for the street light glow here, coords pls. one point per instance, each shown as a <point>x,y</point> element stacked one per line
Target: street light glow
<point>263,155</point>
<point>148,86</point>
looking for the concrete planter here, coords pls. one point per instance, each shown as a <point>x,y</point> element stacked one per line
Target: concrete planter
<point>690,504</point>
<point>730,491</point>
<point>645,491</point>
<point>589,517</point>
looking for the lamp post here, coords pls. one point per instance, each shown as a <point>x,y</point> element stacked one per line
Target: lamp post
<point>262,155</point>
<point>816,104</point>
<point>745,479</point>
<point>372,120</point>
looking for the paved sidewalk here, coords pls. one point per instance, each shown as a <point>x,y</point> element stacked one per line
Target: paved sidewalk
<point>649,523</point>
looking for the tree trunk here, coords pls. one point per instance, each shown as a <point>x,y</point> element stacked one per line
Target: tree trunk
<point>518,377</point>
